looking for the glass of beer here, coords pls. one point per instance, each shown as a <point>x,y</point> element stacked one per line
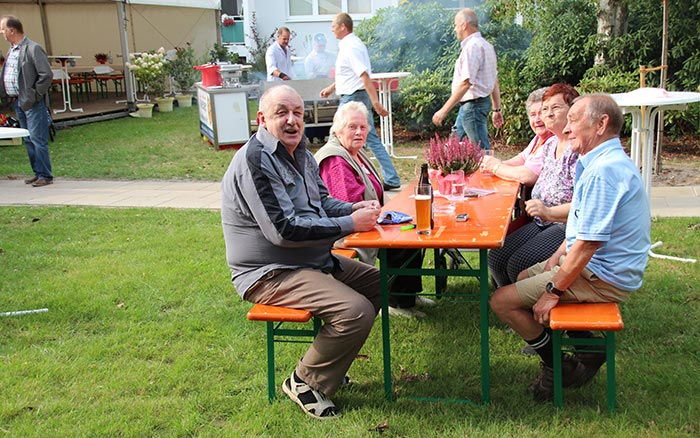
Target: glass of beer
<point>423,208</point>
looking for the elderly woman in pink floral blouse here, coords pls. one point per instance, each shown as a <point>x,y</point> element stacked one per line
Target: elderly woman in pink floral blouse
<point>350,176</point>
<point>551,196</point>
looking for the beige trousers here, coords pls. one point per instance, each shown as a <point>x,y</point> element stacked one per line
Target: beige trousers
<point>347,301</point>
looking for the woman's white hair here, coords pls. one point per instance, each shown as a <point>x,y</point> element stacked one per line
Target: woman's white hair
<point>534,97</point>
<point>340,119</point>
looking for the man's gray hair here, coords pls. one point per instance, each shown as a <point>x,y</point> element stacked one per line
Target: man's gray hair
<point>265,100</point>
<point>600,104</point>
<point>281,30</point>
<point>534,97</point>
<point>340,119</point>
<point>469,17</point>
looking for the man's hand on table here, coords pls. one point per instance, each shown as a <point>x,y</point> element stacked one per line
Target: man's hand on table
<point>365,218</point>
<point>366,204</point>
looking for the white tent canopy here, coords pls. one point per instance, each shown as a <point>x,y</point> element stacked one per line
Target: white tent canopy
<point>115,27</point>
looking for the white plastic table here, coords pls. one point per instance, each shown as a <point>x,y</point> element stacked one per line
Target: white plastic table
<point>65,85</point>
<point>644,104</point>
<point>385,80</point>
<point>13,133</point>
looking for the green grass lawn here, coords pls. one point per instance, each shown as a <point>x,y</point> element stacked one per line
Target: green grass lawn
<point>168,146</point>
<point>146,337</point>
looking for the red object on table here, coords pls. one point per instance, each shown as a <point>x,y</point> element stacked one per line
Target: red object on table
<point>211,75</point>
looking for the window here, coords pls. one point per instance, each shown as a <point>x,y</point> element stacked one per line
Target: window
<point>318,8</point>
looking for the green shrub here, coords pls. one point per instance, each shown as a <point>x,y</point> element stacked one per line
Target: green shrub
<point>421,95</point>
<point>514,93</point>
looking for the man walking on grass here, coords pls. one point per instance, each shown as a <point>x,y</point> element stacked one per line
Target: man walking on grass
<point>26,78</point>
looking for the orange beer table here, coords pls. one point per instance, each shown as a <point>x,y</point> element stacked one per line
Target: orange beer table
<point>486,228</point>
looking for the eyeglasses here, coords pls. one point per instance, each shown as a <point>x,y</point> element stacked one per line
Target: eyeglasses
<point>555,108</point>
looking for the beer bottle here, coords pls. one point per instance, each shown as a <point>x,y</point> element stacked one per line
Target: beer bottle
<point>424,179</point>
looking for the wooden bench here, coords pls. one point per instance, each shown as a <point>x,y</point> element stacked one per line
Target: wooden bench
<point>275,316</point>
<point>602,317</point>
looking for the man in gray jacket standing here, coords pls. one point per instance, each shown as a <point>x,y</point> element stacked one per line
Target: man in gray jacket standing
<point>26,78</point>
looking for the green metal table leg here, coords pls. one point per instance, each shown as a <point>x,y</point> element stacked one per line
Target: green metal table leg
<point>610,358</point>
<point>270,361</point>
<point>440,280</point>
<point>484,323</point>
<point>386,346</point>
<point>556,357</point>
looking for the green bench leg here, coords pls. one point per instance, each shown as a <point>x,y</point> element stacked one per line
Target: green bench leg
<point>270,361</point>
<point>556,349</point>
<point>610,360</point>
<point>611,390</point>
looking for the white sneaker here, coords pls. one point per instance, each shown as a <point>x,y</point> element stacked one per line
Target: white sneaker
<point>411,312</point>
<point>425,302</point>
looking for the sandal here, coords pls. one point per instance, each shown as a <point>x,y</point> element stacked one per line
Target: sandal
<point>314,403</point>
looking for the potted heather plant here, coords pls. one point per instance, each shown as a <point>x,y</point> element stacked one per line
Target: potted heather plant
<point>452,160</point>
<point>149,70</point>
<point>180,69</point>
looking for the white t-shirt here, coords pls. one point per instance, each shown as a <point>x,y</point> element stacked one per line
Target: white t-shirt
<point>352,61</point>
<point>277,59</point>
<point>476,62</point>
<point>319,64</point>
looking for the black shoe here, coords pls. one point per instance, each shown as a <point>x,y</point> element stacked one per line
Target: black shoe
<point>390,187</point>
<point>572,376</point>
<point>31,180</point>
<point>591,362</point>
<point>41,182</point>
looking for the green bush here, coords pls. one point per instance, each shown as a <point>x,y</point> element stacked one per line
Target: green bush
<point>514,93</point>
<point>421,95</point>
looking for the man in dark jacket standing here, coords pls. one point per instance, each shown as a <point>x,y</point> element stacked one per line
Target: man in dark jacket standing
<point>26,78</point>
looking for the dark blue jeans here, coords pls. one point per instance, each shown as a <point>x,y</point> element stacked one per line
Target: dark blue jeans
<point>36,121</point>
<point>472,121</point>
<point>391,177</point>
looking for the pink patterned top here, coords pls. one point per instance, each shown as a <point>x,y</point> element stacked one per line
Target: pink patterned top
<point>555,185</point>
<point>343,183</point>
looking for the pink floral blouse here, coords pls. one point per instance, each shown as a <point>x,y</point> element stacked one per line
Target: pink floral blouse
<point>555,185</point>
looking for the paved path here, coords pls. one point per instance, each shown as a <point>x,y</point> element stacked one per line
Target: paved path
<point>665,201</point>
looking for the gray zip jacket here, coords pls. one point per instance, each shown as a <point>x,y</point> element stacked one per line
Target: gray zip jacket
<point>35,74</point>
<point>276,212</point>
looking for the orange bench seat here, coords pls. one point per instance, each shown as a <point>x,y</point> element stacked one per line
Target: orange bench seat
<point>586,316</point>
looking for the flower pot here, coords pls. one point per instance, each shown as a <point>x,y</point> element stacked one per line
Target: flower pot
<point>145,111</point>
<point>184,100</point>
<point>445,181</point>
<point>165,104</point>
<point>102,61</point>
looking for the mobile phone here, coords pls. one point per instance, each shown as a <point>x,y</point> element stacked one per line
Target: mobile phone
<point>462,217</point>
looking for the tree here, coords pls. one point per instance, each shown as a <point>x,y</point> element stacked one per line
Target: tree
<point>612,23</point>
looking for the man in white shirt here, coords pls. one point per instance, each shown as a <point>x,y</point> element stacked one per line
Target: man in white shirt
<point>352,84</point>
<point>475,79</point>
<point>319,63</point>
<point>279,57</point>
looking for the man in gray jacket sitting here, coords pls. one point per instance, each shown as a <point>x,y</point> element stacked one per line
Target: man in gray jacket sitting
<point>279,225</point>
<point>26,78</point>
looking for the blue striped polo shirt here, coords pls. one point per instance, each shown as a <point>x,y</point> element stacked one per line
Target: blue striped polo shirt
<point>610,206</point>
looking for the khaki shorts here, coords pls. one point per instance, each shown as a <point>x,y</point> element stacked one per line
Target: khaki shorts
<point>587,288</point>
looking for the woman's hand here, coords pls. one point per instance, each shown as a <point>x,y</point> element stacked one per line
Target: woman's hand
<point>489,163</point>
<point>535,207</point>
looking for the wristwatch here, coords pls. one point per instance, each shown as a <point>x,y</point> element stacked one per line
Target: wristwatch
<point>553,290</point>
<point>496,110</point>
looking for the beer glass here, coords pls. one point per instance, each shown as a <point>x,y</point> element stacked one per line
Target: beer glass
<point>423,197</point>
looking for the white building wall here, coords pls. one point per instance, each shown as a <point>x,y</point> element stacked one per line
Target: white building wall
<point>270,14</point>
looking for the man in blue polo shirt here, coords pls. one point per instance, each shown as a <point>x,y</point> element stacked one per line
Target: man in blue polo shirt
<point>605,251</point>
